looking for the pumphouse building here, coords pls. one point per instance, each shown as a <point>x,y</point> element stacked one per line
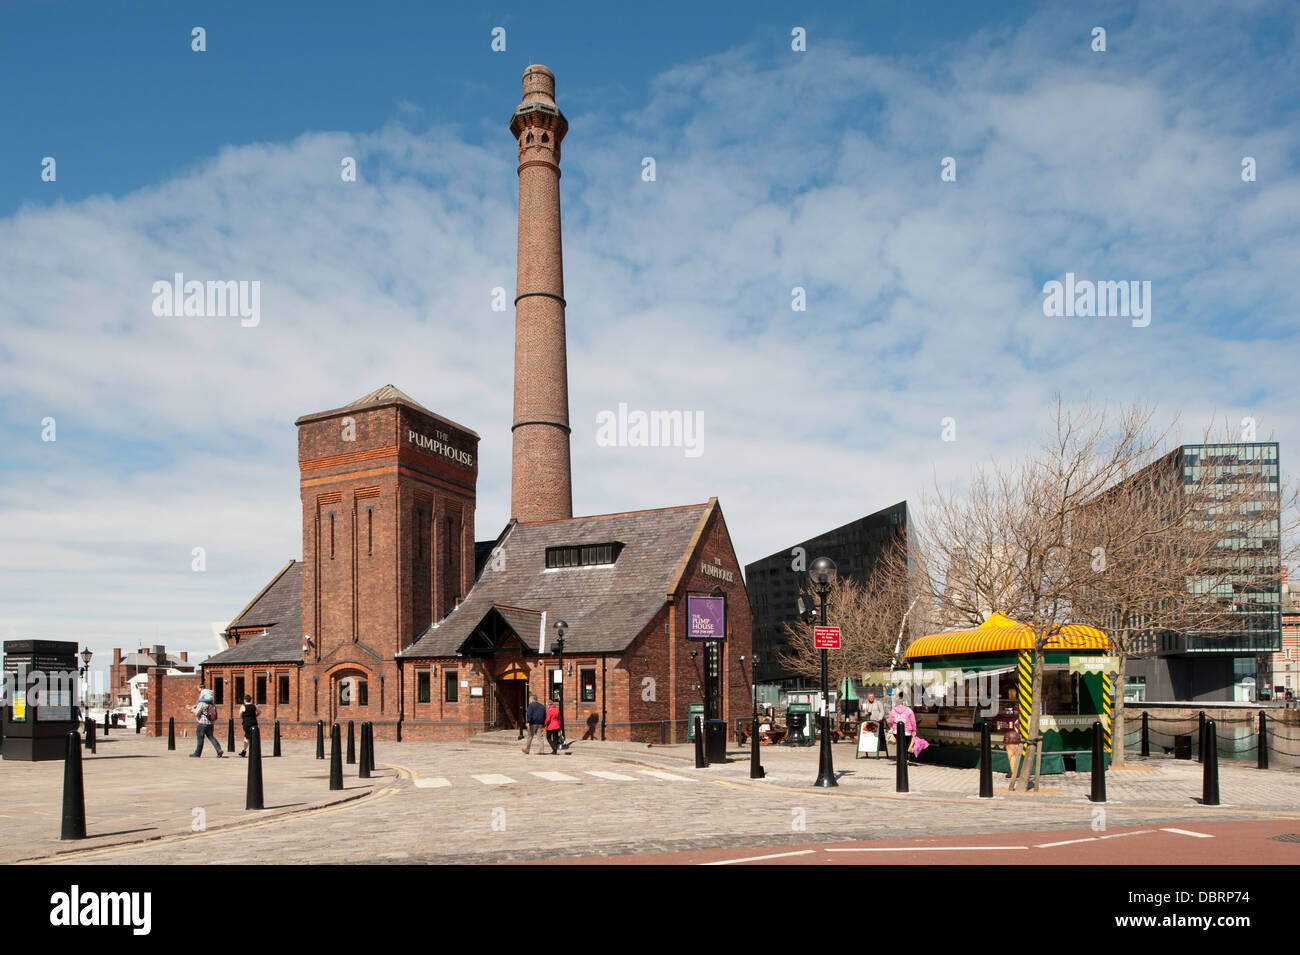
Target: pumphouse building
<point>397,615</point>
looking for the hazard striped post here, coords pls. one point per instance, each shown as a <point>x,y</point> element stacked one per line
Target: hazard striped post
<point>1025,692</point>
<point>1107,709</point>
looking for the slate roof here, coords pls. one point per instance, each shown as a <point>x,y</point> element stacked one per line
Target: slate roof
<point>606,607</point>
<point>278,608</point>
<point>143,659</point>
<point>386,395</point>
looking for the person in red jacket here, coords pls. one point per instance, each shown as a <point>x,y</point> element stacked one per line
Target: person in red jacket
<point>553,726</point>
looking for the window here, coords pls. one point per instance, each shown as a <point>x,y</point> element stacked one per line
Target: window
<point>331,535</point>
<point>588,681</point>
<point>370,531</point>
<point>556,685</point>
<point>453,687</point>
<point>583,555</point>
<point>239,689</point>
<point>218,690</point>
<point>345,691</point>
<point>260,684</point>
<point>284,688</point>
<point>363,693</point>
<point>422,686</point>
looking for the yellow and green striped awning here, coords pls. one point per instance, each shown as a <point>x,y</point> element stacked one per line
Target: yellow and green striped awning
<point>1000,632</point>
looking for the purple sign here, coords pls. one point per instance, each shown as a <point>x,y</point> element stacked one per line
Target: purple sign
<point>706,618</point>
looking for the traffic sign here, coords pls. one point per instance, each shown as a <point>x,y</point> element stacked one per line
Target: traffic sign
<point>826,638</point>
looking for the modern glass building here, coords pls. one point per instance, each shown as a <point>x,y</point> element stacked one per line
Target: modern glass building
<point>1223,663</point>
<point>774,585</point>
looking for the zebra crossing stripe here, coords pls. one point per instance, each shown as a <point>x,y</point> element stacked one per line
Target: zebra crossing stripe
<point>606,774</point>
<point>660,774</point>
<point>556,777</point>
<point>492,779</point>
<point>431,782</point>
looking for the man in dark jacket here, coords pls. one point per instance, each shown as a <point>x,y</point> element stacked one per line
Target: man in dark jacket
<point>248,717</point>
<point>535,716</point>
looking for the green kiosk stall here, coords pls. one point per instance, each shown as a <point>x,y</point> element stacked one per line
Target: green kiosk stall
<point>956,680</point>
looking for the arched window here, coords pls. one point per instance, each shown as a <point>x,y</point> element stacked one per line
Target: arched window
<point>545,138</point>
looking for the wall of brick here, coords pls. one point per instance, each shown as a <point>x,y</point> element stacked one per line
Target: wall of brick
<point>172,695</point>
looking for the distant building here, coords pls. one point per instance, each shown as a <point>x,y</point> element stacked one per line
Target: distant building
<point>774,585</point>
<point>1230,664</point>
<point>1284,665</point>
<point>133,664</point>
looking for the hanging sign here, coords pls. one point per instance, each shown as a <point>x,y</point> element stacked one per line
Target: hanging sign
<point>706,618</point>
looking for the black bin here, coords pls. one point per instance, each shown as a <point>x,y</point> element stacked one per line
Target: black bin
<point>715,740</point>
<point>1183,747</point>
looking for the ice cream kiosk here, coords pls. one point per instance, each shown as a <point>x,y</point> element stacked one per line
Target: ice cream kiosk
<point>956,680</point>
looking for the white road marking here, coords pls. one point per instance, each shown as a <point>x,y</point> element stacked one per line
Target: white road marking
<point>1113,835</point>
<point>779,855</point>
<point>1188,832</point>
<point>660,774</point>
<point>431,782</point>
<point>492,779</point>
<point>606,774</point>
<point>928,849</point>
<point>557,777</point>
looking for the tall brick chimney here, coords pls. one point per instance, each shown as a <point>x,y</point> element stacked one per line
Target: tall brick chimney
<point>540,481</point>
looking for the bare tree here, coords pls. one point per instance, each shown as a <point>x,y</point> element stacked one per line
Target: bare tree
<point>868,615</point>
<point>1011,542</point>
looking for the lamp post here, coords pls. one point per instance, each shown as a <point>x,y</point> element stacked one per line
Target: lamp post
<point>755,766</point>
<point>560,627</point>
<point>822,573</point>
<point>86,654</point>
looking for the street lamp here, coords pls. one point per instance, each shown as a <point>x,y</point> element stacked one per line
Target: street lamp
<point>86,654</point>
<point>755,766</point>
<point>560,627</point>
<point>822,574</point>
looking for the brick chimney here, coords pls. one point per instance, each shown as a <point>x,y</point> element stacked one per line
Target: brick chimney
<point>541,486</point>
<point>185,656</point>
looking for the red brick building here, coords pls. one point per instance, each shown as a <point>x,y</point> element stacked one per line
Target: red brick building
<point>395,615</point>
<point>125,666</point>
<point>1285,668</point>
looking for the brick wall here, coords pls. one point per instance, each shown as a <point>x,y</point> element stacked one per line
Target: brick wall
<point>172,696</point>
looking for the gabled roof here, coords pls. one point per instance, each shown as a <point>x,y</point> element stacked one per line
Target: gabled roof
<point>278,610</point>
<point>606,606</point>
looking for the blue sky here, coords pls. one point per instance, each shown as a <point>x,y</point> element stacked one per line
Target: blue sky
<point>774,169</point>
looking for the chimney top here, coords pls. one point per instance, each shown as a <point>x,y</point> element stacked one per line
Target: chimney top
<point>539,86</point>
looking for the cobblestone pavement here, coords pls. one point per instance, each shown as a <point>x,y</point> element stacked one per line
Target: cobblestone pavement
<point>485,801</point>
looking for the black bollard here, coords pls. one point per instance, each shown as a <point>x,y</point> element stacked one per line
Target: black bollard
<point>137,724</point>
<point>275,747</point>
<point>90,736</point>
<point>171,732</point>
<point>1146,735</point>
<point>756,770</point>
<point>371,749</point>
<point>1200,738</point>
<point>352,743</point>
<point>74,794</point>
<point>86,726</point>
<point>320,739</point>
<point>986,761</point>
<point>253,798</point>
<point>230,735</point>
<point>1210,785</point>
<point>363,771</point>
<point>106,722</point>
<point>1261,758</point>
<point>699,744</point>
<point>336,758</point>
<point>1098,763</point>
<point>900,763</point>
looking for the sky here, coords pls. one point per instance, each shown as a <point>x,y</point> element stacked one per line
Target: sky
<point>919,172</point>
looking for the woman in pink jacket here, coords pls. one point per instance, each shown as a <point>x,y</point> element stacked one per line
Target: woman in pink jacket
<point>902,713</point>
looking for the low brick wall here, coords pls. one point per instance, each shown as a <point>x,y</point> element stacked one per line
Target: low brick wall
<point>1236,730</point>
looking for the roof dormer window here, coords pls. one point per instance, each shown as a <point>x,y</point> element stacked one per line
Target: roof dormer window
<point>582,555</point>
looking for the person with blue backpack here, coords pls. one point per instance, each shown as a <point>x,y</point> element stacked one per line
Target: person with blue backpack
<point>205,711</point>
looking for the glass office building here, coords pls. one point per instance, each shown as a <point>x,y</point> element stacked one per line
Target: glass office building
<point>774,585</point>
<point>1224,663</point>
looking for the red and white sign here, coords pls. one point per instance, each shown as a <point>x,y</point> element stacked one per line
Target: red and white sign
<point>826,638</point>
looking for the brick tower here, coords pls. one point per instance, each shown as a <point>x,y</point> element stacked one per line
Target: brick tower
<point>540,481</point>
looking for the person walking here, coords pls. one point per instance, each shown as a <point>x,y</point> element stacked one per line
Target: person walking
<point>553,727</point>
<point>902,713</point>
<point>874,715</point>
<point>205,711</point>
<point>536,718</point>
<point>248,717</point>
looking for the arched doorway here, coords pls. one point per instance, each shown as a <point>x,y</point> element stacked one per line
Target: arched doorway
<point>511,695</point>
<point>350,688</point>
